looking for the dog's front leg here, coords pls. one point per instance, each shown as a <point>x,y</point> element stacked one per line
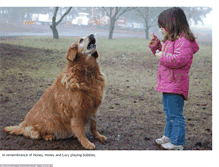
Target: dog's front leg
<point>95,133</point>
<point>78,129</point>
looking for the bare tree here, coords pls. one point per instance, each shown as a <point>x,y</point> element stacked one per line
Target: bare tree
<point>150,16</point>
<point>18,14</point>
<point>54,23</point>
<point>114,16</point>
<point>196,13</point>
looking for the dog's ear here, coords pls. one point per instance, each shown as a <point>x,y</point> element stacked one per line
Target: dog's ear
<point>72,52</point>
<point>95,54</point>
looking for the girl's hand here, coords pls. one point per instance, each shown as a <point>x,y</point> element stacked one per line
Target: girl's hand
<point>159,55</point>
<point>152,36</point>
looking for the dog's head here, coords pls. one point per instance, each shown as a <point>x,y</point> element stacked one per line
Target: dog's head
<point>83,46</point>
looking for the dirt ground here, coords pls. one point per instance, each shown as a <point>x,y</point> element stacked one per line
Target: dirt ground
<point>130,131</point>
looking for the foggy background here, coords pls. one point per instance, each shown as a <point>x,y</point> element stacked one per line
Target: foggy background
<point>110,22</point>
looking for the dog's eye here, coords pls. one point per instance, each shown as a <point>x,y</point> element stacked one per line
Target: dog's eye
<point>81,41</point>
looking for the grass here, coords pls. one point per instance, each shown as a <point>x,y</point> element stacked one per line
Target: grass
<point>110,52</point>
<point>137,68</point>
<point>138,71</point>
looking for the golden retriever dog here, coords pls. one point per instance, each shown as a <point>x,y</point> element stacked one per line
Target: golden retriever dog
<point>71,102</point>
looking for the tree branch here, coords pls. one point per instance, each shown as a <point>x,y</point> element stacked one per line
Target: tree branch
<point>106,11</point>
<point>138,10</point>
<point>117,10</point>
<point>63,16</point>
<point>55,12</point>
<point>54,18</point>
<point>111,9</point>
<point>153,22</point>
<point>125,10</point>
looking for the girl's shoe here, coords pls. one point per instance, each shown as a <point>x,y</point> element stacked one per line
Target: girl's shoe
<point>170,146</point>
<point>162,140</point>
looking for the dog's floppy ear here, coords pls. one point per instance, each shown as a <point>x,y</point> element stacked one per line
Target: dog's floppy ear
<point>72,52</point>
<point>95,54</point>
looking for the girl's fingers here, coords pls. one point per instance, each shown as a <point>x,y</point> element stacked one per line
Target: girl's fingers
<point>152,36</point>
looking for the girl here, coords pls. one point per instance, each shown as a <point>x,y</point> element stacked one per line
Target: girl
<point>175,59</point>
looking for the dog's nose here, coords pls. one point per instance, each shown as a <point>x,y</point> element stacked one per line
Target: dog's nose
<point>91,36</point>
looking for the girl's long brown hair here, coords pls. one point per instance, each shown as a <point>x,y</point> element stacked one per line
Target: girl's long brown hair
<point>174,21</point>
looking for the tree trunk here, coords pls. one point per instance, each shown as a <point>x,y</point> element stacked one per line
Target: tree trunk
<point>115,16</point>
<point>146,30</point>
<point>146,33</point>
<point>54,23</point>
<point>54,32</point>
<point>112,26</point>
<point>53,27</point>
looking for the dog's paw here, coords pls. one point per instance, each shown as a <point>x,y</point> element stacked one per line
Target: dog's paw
<point>89,146</point>
<point>101,138</point>
<point>48,137</point>
<point>7,129</point>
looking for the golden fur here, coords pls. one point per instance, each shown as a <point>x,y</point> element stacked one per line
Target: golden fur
<point>71,102</point>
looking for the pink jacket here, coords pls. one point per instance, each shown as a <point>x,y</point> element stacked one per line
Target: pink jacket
<point>174,65</point>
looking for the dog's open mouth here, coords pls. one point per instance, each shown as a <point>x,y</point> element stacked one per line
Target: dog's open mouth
<point>92,44</point>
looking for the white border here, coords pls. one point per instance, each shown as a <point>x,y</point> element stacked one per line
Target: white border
<point>132,158</point>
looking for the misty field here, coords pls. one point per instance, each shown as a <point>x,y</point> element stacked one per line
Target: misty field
<point>131,116</point>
